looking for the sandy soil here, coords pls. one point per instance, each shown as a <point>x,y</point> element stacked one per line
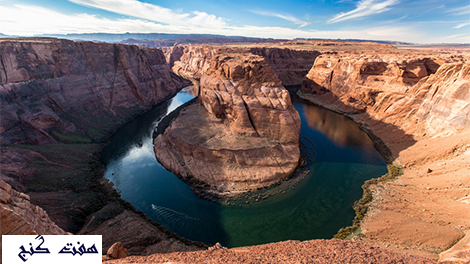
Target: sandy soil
<point>313,251</point>
<point>427,210</point>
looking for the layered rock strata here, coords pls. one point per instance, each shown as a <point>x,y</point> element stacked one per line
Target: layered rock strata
<point>290,65</point>
<point>397,90</point>
<point>66,96</point>
<point>51,89</point>
<point>19,217</point>
<point>420,108</point>
<point>244,134</point>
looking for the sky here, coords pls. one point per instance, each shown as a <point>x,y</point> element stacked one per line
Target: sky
<point>415,21</point>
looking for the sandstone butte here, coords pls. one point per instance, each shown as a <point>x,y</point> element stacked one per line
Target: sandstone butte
<point>415,100</point>
<point>243,135</point>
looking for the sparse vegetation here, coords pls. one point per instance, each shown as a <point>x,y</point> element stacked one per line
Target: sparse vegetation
<point>362,206</point>
<point>75,138</point>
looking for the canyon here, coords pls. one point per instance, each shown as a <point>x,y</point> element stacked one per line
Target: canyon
<point>60,100</point>
<point>63,97</point>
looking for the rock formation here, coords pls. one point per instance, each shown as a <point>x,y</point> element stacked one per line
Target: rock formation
<point>419,106</point>
<point>395,89</point>
<point>245,133</point>
<point>51,89</point>
<point>192,61</point>
<point>19,217</point>
<point>54,91</point>
<point>73,94</point>
<point>446,100</point>
<point>290,65</point>
<point>117,251</point>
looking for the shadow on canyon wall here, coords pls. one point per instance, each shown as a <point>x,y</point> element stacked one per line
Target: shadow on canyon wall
<point>333,125</point>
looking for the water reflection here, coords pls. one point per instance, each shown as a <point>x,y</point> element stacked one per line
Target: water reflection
<point>338,128</point>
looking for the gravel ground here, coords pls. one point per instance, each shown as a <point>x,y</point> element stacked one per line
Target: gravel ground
<point>313,251</point>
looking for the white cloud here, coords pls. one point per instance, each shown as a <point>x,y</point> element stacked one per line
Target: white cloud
<point>30,20</point>
<point>462,25</point>
<point>155,13</point>
<point>365,8</point>
<point>286,17</point>
<point>434,8</point>
<point>465,10</point>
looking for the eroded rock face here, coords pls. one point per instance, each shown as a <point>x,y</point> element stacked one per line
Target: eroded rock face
<point>59,91</point>
<point>245,133</point>
<point>290,65</point>
<point>51,89</point>
<point>394,89</point>
<point>190,62</point>
<point>19,217</point>
<point>357,80</point>
<point>446,105</point>
<point>420,108</point>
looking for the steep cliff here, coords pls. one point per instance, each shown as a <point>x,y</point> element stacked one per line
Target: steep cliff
<point>419,106</point>
<point>245,133</point>
<point>290,65</point>
<point>57,90</point>
<point>19,217</point>
<point>59,99</point>
<point>412,93</point>
<point>192,61</point>
<point>446,104</point>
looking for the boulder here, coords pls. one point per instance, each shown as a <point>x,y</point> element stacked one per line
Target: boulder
<point>117,251</point>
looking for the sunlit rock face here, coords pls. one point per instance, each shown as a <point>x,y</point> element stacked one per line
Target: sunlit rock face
<point>424,96</point>
<point>244,134</point>
<point>290,65</point>
<point>446,105</point>
<point>19,217</point>
<point>52,89</point>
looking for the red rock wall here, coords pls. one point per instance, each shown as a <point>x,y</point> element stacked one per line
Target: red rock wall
<point>51,87</point>
<point>290,66</point>
<point>247,92</point>
<point>416,94</point>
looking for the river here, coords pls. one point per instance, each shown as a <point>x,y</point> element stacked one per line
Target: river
<point>341,155</point>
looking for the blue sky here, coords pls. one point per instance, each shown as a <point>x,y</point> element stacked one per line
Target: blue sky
<point>418,21</point>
